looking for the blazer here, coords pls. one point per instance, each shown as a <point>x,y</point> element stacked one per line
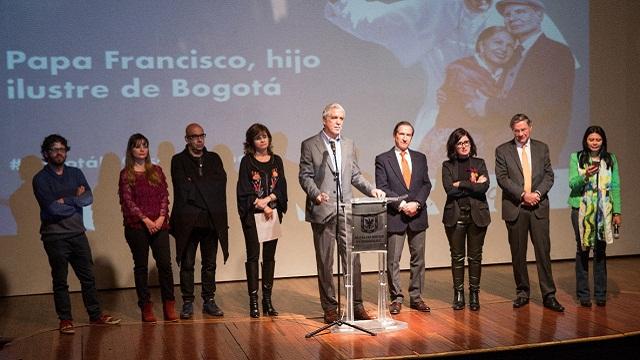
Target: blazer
<point>543,89</point>
<point>187,185</point>
<point>316,176</point>
<point>389,179</point>
<point>475,192</point>
<point>511,180</point>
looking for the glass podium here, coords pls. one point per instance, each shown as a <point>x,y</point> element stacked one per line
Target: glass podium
<point>366,224</point>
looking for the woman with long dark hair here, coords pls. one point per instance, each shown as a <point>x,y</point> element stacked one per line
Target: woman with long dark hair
<point>144,200</point>
<point>262,190</point>
<point>466,213</point>
<point>594,179</point>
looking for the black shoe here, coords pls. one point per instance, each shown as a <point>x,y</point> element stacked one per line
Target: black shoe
<point>458,299</point>
<point>267,306</point>
<point>585,302</point>
<point>395,307</point>
<point>474,300</point>
<point>601,302</point>
<point>187,310</point>
<point>520,302</point>
<point>254,312</point>
<point>553,304</point>
<point>210,308</point>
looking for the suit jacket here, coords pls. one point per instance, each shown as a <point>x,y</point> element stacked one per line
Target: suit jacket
<point>543,89</point>
<point>475,192</point>
<point>511,180</point>
<point>187,186</point>
<point>389,179</point>
<point>316,176</point>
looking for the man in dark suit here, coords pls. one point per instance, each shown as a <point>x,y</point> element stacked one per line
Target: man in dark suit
<point>198,217</point>
<point>540,83</point>
<point>524,173</point>
<point>318,156</point>
<point>399,172</point>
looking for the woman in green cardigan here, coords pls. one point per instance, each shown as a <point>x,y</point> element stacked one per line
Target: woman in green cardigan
<point>594,180</point>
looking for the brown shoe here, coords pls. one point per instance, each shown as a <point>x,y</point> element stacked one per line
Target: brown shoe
<point>395,308</point>
<point>147,312</point>
<point>330,316</point>
<point>420,306</point>
<point>169,310</point>
<point>359,313</point>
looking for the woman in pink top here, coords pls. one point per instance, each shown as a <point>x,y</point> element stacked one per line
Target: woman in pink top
<point>144,199</point>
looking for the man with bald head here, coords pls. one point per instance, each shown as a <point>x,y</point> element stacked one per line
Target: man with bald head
<point>198,217</point>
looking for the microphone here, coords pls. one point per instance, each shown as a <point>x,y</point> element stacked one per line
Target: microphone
<point>333,145</point>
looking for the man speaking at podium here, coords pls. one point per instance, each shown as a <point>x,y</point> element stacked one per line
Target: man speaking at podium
<point>403,172</point>
<point>318,156</point>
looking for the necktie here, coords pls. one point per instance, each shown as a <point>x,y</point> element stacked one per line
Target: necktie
<point>526,169</point>
<point>406,172</point>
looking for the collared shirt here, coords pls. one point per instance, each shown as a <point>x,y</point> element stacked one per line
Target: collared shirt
<point>327,144</point>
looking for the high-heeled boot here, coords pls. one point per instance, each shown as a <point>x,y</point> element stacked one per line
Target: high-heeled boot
<point>169,310</point>
<point>268,268</point>
<point>457,269</point>
<point>474,285</point>
<point>147,312</point>
<point>252,287</point>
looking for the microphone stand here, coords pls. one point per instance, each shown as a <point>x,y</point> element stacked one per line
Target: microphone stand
<point>339,202</point>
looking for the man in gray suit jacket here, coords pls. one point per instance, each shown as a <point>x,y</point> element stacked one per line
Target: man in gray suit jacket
<point>318,155</point>
<point>399,172</point>
<point>524,173</point>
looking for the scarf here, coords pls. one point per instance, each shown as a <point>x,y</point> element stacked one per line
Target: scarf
<point>595,216</point>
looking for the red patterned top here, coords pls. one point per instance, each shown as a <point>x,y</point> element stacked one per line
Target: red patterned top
<point>142,199</point>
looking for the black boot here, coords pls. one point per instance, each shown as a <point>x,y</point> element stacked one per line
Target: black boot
<point>268,268</point>
<point>252,287</point>
<point>457,269</point>
<point>458,299</point>
<point>474,285</point>
<point>474,299</point>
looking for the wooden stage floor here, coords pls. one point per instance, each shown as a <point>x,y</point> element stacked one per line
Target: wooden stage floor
<point>31,322</point>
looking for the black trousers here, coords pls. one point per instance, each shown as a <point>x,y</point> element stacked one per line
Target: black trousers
<point>207,238</point>
<point>140,240</point>
<point>518,232</point>
<point>252,244</point>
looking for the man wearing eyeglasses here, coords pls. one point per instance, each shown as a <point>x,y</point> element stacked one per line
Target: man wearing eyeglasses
<point>198,217</point>
<point>62,192</point>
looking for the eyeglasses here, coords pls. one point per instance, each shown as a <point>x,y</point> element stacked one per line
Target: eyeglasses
<point>196,136</point>
<point>58,150</point>
<point>463,143</point>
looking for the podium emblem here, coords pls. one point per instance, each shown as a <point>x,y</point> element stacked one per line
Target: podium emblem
<point>369,224</point>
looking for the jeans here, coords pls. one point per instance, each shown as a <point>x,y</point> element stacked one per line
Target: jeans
<point>582,265</point>
<point>74,251</point>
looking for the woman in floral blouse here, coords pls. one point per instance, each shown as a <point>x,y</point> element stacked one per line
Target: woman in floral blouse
<point>261,192</point>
